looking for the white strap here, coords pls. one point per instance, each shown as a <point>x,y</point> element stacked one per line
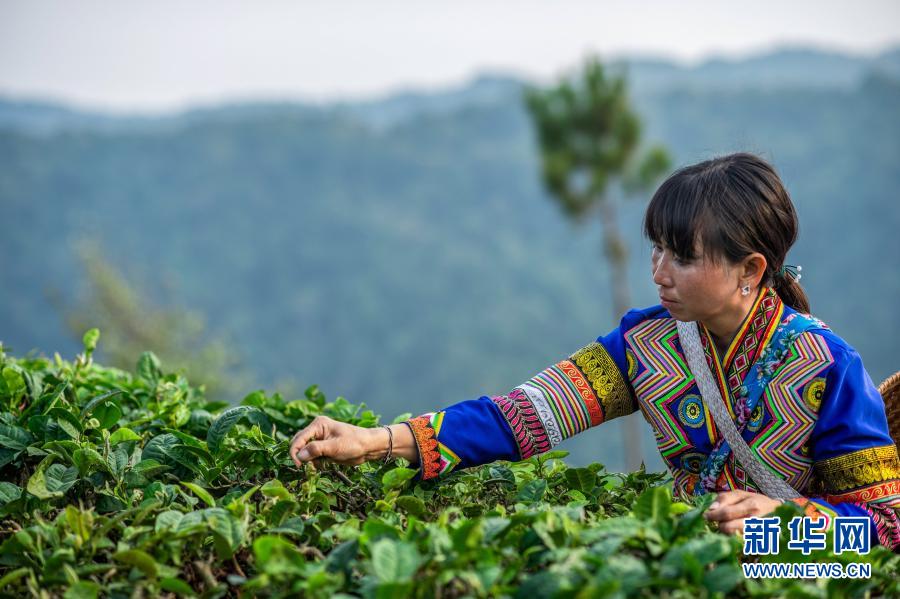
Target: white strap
<point>768,482</point>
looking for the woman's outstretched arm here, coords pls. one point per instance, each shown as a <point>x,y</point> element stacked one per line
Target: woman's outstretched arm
<point>579,391</point>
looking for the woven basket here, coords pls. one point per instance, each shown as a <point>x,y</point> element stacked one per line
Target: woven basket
<point>890,391</point>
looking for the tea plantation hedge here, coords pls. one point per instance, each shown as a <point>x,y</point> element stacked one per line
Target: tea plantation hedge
<point>120,484</point>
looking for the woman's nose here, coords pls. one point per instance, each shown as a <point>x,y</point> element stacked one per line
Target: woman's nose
<point>660,271</point>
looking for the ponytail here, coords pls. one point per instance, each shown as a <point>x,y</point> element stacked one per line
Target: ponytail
<point>791,293</point>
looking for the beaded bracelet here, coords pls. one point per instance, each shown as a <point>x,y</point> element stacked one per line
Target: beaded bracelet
<point>390,443</point>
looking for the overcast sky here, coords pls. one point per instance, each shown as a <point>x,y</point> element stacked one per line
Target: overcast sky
<point>162,55</point>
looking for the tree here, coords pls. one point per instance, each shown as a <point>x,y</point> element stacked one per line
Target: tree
<point>589,138</point>
<point>130,324</point>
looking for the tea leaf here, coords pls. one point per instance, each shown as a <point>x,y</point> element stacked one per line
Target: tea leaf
<point>14,437</point>
<point>394,561</point>
<point>89,340</point>
<point>141,560</point>
<point>228,419</point>
<point>532,491</point>
<point>396,478</point>
<point>9,492</point>
<point>582,479</point>
<point>202,493</point>
<point>168,519</point>
<point>149,368</point>
<point>176,585</point>
<point>123,434</point>
<point>412,505</point>
<point>51,480</point>
<point>275,556</point>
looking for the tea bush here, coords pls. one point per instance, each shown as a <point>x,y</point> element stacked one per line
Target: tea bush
<point>125,484</point>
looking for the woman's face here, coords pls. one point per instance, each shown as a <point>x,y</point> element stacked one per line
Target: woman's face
<point>700,289</point>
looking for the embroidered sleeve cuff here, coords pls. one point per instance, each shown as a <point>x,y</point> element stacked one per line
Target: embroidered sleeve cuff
<point>868,480</point>
<point>435,459</point>
<point>884,524</point>
<point>875,466</point>
<point>816,508</point>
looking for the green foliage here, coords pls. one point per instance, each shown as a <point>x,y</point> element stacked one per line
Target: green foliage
<point>148,489</point>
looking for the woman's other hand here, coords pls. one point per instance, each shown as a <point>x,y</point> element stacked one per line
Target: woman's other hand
<point>731,507</point>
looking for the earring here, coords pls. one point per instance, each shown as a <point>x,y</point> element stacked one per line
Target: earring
<point>745,290</point>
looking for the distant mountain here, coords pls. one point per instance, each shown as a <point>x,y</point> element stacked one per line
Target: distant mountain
<point>786,67</point>
<point>483,91</point>
<point>402,252</point>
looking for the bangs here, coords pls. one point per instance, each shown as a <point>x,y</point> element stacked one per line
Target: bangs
<point>681,216</point>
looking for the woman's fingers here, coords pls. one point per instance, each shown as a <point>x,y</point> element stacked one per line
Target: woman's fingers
<point>735,506</point>
<point>318,449</point>
<point>328,439</point>
<point>732,526</point>
<point>297,443</point>
<point>730,502</point>
<point>728,498</point>
<point>745,506</point>
<point>742,509</point>
<point>316,430</point>
<point>729,510</point>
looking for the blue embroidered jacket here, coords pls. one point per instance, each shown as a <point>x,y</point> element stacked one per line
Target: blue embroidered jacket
<point>820,423</point>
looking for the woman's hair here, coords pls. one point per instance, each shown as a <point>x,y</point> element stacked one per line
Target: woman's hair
<point>733,205</point>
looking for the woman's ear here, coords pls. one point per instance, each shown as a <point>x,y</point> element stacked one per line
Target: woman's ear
<point>753,269</point>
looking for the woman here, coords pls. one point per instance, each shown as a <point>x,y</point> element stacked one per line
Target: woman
<point>721,230</point>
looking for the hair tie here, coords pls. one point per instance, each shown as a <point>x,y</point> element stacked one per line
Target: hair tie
<point>789,270</point>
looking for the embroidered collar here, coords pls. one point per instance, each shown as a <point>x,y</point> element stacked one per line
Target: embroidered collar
<point>754,333</point>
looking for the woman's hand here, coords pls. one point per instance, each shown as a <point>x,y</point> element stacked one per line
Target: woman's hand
<point>731,507</point>
<point>351,445</point>
<point>337,441</point>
